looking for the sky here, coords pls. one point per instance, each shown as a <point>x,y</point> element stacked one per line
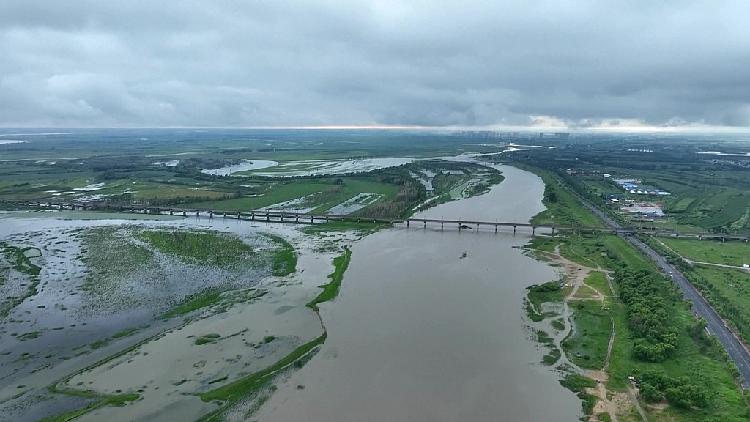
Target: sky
<point>278,63</point>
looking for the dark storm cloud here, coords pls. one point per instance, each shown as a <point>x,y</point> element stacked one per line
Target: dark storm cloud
<point>269,63</point>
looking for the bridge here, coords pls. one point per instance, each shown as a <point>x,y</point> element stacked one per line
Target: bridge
<point>307,218</point>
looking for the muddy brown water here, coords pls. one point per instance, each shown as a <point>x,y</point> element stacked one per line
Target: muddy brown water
<point>423,332</point>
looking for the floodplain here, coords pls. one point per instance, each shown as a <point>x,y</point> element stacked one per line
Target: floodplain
<point>144,316</point>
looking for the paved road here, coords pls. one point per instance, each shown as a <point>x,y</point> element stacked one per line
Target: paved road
<point>715,325</point>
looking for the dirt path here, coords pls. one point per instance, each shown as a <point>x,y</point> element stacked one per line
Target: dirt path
<point>633,394</point>
<point>608,402</point>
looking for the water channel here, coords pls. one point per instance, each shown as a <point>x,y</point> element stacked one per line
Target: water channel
<point>429,326</point>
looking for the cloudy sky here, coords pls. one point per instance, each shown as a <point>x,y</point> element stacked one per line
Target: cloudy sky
<point>319,63</point>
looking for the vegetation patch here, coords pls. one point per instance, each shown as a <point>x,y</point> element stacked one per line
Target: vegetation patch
<point>127,332</point>
<point>364,226</point>
<point>550,291</point>
<point>193,302</point>
<point>207,338</point>
<point>20,259</point>
<point>331,290</point>
<point>251,384</point>
<point>28,336</point>
<point>587,346</point>
<point>655,386</point>
<point>97,401</point>
<point>649,302</point>
<point>284,260</point>
<point>728,291</point>
<point>578,384</point>
<point>729,253</point>
<point>206,248</point>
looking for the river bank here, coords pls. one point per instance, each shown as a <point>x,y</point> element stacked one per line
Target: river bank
<point>429,325</point>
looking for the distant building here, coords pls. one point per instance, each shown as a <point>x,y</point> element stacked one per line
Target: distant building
<point>645,209</point>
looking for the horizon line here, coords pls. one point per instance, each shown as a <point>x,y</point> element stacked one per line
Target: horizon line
<point>705,129</point>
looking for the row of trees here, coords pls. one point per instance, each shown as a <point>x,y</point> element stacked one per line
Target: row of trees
<point>648,301</point>
<point>656,386</point>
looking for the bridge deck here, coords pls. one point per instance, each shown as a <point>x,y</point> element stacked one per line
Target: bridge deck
<point>307,218</point>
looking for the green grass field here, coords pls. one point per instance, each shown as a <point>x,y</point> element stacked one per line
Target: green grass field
<point>598,281</point>
<point>730,253</point>
<point>728,291</point>
<point>563,208</point>
<point>587,347</point>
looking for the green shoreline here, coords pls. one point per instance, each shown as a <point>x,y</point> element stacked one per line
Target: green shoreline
<point>696,366</point>
<point>244,387</point>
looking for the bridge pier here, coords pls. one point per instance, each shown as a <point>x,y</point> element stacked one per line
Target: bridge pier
<point>533,230</point>
<point>184,213</point>
<point>425,224</point>
<point>495,228</point>
<point>210,215</point>
<point>514,229</point>
<point>407,223</point>
<point>171,212</point>
<point>311,219</point>
<point>553,230</point>
<point>459,226</point>
<point>296,218</point>
<point>252,216</point>
<point>441,225</point>
<point>268,217</point>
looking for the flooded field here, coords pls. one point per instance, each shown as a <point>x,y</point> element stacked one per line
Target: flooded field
<point>246,165</point>
<point>150,314</point>
<point>429,326</point>
<point>188,321</point>
<point>325,167</point>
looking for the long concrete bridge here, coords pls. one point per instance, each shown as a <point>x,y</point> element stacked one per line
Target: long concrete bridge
<point>307,218</point>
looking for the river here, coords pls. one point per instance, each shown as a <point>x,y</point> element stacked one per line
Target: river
<point>429,326</point>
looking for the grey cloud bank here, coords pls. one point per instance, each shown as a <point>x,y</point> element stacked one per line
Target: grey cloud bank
<point>288,63</point>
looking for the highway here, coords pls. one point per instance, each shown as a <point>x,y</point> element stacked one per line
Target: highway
<point>715,325</point>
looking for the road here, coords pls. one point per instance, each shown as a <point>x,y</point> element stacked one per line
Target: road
<point>715,324</point>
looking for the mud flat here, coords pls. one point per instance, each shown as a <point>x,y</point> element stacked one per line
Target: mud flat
<point>258,320</point>
<point>430,326</point>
